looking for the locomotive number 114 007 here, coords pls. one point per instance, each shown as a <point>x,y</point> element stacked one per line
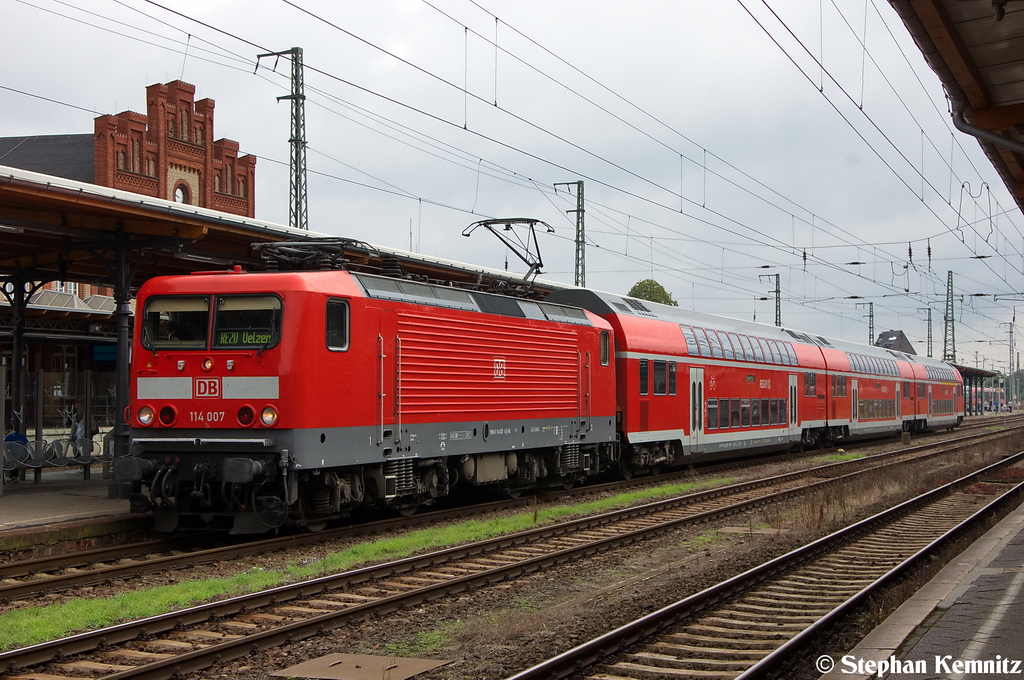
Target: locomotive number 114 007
<point>206,416</point>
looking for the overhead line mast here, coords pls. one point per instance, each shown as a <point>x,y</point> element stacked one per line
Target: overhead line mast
<point>949,342</point>
<point>581,235</point>
<point>298,216</point>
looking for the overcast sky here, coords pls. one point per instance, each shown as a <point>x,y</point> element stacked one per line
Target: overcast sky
<point>718,141</point>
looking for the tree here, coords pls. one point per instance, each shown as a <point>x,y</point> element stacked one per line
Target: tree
<point>652,291</point>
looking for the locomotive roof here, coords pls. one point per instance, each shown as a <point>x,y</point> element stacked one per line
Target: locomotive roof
<point>389,288</point>
<point>606,304</point>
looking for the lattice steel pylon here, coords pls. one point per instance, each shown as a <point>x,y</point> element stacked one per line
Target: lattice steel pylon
<point>929,310</point>
<point>298,216</point>
<point>949,343</point>
<point>581,235</point>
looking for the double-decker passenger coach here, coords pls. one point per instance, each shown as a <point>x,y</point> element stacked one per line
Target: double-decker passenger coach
<point>697,386</point>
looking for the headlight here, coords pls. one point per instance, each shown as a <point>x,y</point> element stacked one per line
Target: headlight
<point>146,415</point>
<point>207,364</point>
<point>269,416</point>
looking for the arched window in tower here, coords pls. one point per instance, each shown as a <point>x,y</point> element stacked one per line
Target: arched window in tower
<point>170,127</point>
<point>184,124</point>
<point>120,160</point>
<point>136,156</point>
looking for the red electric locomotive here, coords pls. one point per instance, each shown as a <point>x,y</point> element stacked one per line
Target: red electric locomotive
<point>260,399</point>
<point>696,386</point>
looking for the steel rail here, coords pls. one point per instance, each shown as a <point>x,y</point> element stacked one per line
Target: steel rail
<point>202,658</point>
<point>594,650</point>
<point>86,574</point>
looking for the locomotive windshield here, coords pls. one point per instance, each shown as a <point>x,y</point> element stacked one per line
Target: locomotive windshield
<point>249,321</point>
<point>176,322</point>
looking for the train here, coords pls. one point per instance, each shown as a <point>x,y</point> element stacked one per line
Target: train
<point>267,399</point>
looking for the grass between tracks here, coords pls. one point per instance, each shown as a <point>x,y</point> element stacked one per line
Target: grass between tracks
<point>31,625</point>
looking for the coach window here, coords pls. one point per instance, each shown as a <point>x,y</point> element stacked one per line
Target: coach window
<point>716,344</point>
<point>922,390</point>
<point>712,414</point>
<point>252,321</point>
<point>176,322</point>
<point>605,348</point>
<point>643,376</point>
<point>737,347</point>
<point>745,412</point>
<point>660,377</point>
<point>748,352</point>
<point>758,353</point>
<point>691,341</point>
<point>702,340</point>
<point>764,412</point>
<point>723,413</point>
<point>783,413</point>
<point>672,378</point>
<point>755,412</point>
<point>337,325</point>
<point>764,350</point>
<point>727,349</point>
<point>734,413</point>
<point>810,384</point>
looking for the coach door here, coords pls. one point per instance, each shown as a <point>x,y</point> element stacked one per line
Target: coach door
<point>794,425</point>
<point>696,410</point>
<point>856,403</point>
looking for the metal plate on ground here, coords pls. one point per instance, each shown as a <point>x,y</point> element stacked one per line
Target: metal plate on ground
<point>360,667</point>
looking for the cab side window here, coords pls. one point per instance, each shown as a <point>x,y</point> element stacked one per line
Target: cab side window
<point>337,325</point>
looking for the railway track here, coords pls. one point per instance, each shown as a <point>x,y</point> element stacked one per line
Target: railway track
<point>27,578</point>
<point>195,638</point>
<point>751,625</point>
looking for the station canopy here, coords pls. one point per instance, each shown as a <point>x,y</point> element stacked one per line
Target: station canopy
<point>58,229</point>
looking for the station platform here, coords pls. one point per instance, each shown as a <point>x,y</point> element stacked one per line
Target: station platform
<point>967,622</point>
<point>63,506</point>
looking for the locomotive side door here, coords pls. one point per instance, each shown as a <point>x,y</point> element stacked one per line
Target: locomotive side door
<point>387,379</point>
<point>584,397</point>
<point>696,410</point>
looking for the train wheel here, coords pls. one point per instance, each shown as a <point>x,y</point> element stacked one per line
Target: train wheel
<point>408,510</point>
<point>625,470</point>
<point>512,491</point>
<point>567,484</point>
<point>315,527</point>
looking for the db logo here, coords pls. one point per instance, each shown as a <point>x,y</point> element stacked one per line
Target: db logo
<point>499,368</point>
<point>207,388</point>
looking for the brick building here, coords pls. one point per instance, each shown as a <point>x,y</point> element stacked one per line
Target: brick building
<point>169,152</point>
